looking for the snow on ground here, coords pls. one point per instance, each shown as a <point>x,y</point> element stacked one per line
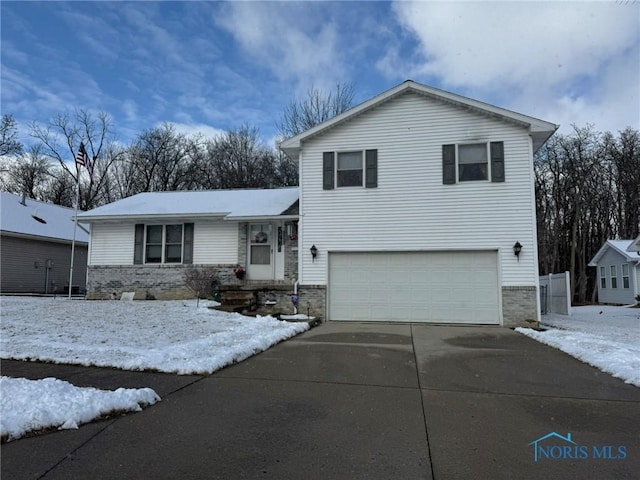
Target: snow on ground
<point>168,336</point>
<point>606,337</point>
<point>33,405</point>
<point>175,337</point>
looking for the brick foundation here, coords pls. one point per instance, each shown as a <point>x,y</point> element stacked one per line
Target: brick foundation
<point>162,282</point>
<point>519,306</point>
<point>312,300</point>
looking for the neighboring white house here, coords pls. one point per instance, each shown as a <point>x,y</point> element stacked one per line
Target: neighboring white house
<point>412,203</point>
<point>144,243</point>
<point>618,272</point>
<point>35,247</point>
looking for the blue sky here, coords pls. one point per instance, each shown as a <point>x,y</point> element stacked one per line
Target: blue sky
<point>213,66</point>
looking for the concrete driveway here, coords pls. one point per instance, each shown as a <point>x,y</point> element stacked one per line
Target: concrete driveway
<point>355,401</point>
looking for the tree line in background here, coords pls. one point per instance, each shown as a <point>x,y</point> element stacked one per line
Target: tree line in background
<point>158,159</point>
<point>587,186</point>
<point>587,183</point>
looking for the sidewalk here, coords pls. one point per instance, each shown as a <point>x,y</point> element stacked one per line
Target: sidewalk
<point>351,401</point>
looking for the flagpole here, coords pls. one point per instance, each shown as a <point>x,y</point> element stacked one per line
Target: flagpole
<point>75,227</point>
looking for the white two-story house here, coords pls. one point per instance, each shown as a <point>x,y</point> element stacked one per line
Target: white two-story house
<point>418,206</point>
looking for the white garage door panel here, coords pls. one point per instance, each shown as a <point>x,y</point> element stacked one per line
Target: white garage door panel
<point>443,287</point>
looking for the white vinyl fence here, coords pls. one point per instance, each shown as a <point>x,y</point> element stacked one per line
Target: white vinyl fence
<point>555,294</point>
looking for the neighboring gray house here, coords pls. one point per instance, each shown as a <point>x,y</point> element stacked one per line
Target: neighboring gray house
<point>618,272</point>
<point>145,243</point>
<point>634,246</point>
<point>35,247</point>
<point>413,205</point>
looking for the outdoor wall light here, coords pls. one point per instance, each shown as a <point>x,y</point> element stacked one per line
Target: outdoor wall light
<point>517,248</point>
<point>314,252</point>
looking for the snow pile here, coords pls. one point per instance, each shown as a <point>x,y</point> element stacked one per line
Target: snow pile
<point>166,336</point>
<point>607,338</point>
<point>32,405</point>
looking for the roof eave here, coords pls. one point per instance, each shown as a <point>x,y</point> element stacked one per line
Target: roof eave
<point>255,218</point>
<point>147,216</point>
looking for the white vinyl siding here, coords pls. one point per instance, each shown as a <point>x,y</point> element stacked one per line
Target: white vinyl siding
<point>214,242</point>
<point>411,209</point>
<point>111,244</point>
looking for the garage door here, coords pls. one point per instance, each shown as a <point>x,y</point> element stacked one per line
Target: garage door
<point>442,287</point>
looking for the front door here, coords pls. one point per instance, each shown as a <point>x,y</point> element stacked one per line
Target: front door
<point>260,252</point>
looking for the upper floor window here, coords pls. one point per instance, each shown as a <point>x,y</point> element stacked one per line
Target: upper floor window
<point>171,243</point>
<point>625,275</point>
<point>466,162</point>
<point>349,169</point>
<point>357,168</point>
<point>472,162</point>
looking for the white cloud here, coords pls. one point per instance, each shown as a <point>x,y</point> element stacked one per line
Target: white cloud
<point>570,62</point>
<point>193,129</point>
<point>293,40</point>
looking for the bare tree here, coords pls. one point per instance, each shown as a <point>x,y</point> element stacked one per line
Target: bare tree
<point>28,174</point>
<point>9,143</point>
<point>159,160</point>
<point>238,159</point>
<point>60,140</point>
<point>318,106</point>
<point>586,192</point>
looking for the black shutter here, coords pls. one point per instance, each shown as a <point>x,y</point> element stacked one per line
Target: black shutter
<point>448,164</point>
<point>187,256</point>
<point>371,169</point>
<point>138,244</point>
<point>328,171</point>
<point>497,161</point>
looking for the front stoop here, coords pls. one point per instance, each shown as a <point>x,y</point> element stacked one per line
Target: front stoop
<point>237,301</point>
<point>257,298</point>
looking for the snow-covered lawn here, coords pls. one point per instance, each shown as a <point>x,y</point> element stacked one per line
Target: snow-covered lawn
<point>32,405</point>
<point>174,337</point>
<point>606,337</point>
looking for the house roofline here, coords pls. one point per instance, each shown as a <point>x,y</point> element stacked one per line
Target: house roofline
<point>634,246</point>
<point>169,216</point>
<point>42,238</point>
<point>264,217</point>
<point>540,130</point>
<point>178,216</point>
<point>625,253</point>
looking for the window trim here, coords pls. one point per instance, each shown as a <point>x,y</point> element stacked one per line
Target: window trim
<point>487,158</point>
<point>369,168</point>
<point>362,168</point>
<point>495,158</point>
<point>603,277</point>
<point>614,276</point>
<point>625,278</point>
<point>163,245</point>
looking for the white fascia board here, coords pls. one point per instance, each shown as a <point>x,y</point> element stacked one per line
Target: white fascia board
<point>153,217</point>
<point>261,218</point>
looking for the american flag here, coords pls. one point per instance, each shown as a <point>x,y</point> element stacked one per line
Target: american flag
<point>83,159</point>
